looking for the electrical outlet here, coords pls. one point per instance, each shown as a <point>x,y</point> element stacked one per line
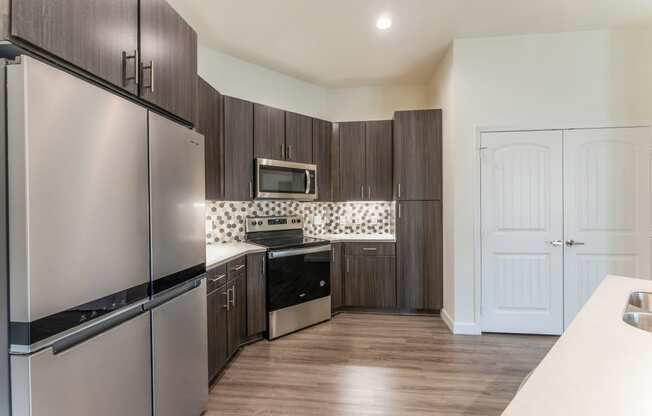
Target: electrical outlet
<point>316,219</point>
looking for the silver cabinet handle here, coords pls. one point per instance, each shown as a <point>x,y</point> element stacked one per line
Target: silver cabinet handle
<point>556,243</point>
<point>282,152</point>
<point>218,278</point>
<point>233,296</point>
<point>227,299</point>
<point>369,192</point>
<point>571,243</point>
<point>399,191</point>
<point>136,76</point>
<point>347,264</point>
<point>238,268</point>
<point>370,248</point>
<point>251,190</point>
<point>362,192</point>
<point>289,152</point>
<point>151,69</point>
<point>399,210</point>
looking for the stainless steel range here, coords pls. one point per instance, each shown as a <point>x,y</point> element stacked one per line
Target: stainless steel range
<point>298,274</point>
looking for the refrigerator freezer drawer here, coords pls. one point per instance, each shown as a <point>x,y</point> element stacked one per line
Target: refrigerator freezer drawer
<point>180,354</point>
<point>107,375</point>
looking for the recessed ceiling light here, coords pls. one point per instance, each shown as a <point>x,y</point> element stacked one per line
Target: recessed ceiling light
<point>384,23</point>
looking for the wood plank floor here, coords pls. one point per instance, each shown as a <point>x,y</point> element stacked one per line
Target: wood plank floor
<point>377,365</point>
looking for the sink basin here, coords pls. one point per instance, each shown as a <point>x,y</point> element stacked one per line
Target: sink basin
<point>639,320</point>
<point>640,302</point>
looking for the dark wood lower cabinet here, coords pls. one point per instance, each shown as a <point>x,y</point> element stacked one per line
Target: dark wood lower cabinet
<point>256,287</point>
<point>218,351</point>
<point>419,255</point>
<point>336,275</point>
<point>370,281</point>
<point>237,313</point>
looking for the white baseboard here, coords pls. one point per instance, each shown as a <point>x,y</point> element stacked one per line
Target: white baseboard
<point>460,328</point>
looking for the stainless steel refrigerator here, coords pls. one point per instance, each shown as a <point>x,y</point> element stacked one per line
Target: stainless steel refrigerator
<point>91,229</point>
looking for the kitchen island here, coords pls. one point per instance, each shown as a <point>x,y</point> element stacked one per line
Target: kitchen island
<point>601,366</point>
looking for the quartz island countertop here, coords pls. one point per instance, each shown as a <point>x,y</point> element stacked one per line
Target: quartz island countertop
<point>601,366</point>
<point>220,253</point>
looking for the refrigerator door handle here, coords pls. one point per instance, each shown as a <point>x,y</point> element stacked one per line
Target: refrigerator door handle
<point>173,293</point>
<point>91,332</point>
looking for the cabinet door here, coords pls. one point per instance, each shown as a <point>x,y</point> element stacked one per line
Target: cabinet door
<point>256,286</point>
<point>90,34</point>
<point>237,324</point>
<point>336,276</point>
<point>352,161</point>
<point>168,49</point>
<point>269,132</point>
<point>217,332</point>
<point>298,138</point>
<point>378,160</point>
<point>417,155</point>
<point>238,149</point>
<point>209,123</point>
<point>419,252</point>
<point>335,164</point>
<point>322,140</point>
<point>370,282</point>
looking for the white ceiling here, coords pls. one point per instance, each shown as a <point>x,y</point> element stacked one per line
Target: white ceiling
<point>335,42</point>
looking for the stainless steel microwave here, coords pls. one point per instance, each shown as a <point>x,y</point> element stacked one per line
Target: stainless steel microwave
<point>278,179</point>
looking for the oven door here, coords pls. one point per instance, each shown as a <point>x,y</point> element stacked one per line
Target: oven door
<point>277,179</point>
<point>295,276</point>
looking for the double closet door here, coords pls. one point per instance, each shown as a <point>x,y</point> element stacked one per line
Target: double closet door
<point>561,210</point>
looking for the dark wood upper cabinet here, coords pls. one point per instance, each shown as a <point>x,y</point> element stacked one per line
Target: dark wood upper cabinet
<point>298,138</point>
<point>238,149</point>
<point>419,255</point>
<point>335,164</point>
<point>417,155</point>
<point>217,321</point>
<point>378,160</point>
<point>168,53</point>
<point>269,132</point>
<point>322,140</point>
<point>352,161</point>
<point>209,123</point>
<point>98,36</point>
<point>256,287</point>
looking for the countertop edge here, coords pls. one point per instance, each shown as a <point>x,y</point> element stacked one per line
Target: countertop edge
<point>235,255</point>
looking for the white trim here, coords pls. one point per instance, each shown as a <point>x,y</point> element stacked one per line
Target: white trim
<point>460,328</point>
<point>477,208</point>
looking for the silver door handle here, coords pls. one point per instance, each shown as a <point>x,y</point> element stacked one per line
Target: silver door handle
<point>571,243</point>
<point>307,181</point>
<point>289,152</point>
<point>362,192</point>
<point>370,248</point>
<point>283,152</point>
<point>227,299</point>
<point>233,296</point>
<point>251,190</point>
<point>218,278</point>
<point>556,243</point>
<point>238,268</point>
<point>347,264</point>
<point>150,67</point>
<point>399,191</point>
<point>136,75</point>
<point>369,192</point>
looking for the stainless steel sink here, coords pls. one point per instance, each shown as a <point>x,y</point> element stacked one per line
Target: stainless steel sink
<point>638,312</point>
<point>641,301</point>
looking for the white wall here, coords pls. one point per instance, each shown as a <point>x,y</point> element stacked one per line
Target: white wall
<point>235,77</point>
<point>442,95</point>
<point>536,80</point>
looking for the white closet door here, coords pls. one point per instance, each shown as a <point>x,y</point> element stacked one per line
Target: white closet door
<point>607,209</point>
<point>522,211</point>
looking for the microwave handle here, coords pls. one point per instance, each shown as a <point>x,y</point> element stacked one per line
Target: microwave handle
<point>307,181</point>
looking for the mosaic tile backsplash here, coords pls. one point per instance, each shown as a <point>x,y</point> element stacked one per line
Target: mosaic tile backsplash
<point>225,221</point>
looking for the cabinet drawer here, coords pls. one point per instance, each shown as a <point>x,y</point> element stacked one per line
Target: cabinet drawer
<point>370,249</point>
<point>236,268</point>
<point>215,277</point>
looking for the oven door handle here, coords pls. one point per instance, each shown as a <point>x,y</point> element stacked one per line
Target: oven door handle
<point>298,252</point>
<point>307,181</point>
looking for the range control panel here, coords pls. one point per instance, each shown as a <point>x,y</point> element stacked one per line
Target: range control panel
<point>254,225</point>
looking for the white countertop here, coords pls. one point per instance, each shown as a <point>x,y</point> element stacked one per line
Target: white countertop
<point>600,366</point>
<point>356,238</point>
<point>218,254</point>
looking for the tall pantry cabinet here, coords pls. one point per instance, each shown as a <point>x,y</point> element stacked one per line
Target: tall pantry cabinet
<point>418,190</point>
